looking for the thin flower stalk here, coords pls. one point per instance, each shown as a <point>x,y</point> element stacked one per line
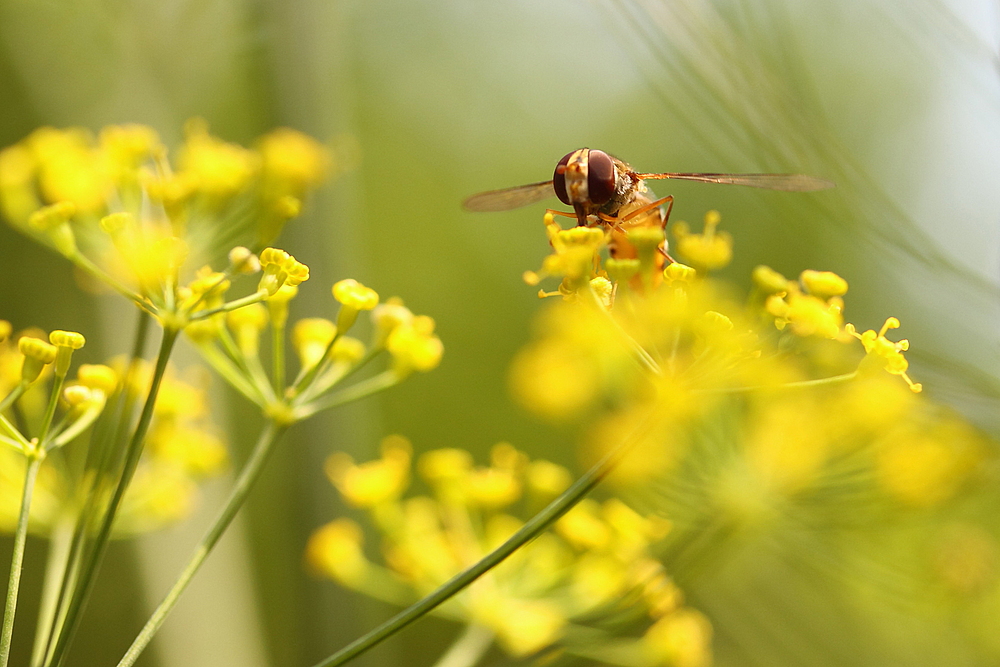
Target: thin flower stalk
<point>17,559</point>
<point>85,583</point>
<point>269,437</point>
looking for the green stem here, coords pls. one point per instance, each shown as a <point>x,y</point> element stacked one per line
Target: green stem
<point>50,410</point>
<point>20,536</point>
<point>468,649</point>
<point>256,297</point>
<point>327,381</point>
<point>802,384</point>
<point>534,527</point>
<point>306,378</point>
<point>15,394</point>
<point>278,359</point>
<point>60,542</point>
<point>14,435</point>
<point>134,450</point>
<point>231,373</point>
<point>244,483</point>
<point>372,385</point>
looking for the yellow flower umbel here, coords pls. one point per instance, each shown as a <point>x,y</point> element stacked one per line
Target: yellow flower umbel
<point>327,356</point>
<point>563,590</point>
<point>767,430</point>
<point>183,447</point>
<point>117,208</point>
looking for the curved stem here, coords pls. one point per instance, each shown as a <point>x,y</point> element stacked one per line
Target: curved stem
<point>244,483</point>
<point>20,536</point>
<point>535,526</point>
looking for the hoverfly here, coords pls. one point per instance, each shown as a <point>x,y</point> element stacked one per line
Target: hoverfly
<point>604,190</point>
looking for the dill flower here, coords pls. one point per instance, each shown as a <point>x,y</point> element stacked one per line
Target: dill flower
<point>768,426</point>
<point>159,221</point>
<point>566,589</point>
<point>184,447</point>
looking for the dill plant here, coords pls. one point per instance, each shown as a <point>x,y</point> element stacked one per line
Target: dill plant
<point>710,413</point>
<point>148,227</point>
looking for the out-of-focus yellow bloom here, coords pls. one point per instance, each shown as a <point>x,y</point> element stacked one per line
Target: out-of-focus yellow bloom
<point>414,346</point>
<point>706,251</point>
<point>183,447</point>
<point>375,482</point>
<point>599,556</point>
<point>823,284</point>
<point>680,639</point>
<point>923,463</point>
<point>335,551</point>
<point>768,280</point>
<point>386,317</point>
<point>213,167</point>
<point>71,168</point>
<point>292,162</point>
<point>522,627</point>
<point>153,218</point>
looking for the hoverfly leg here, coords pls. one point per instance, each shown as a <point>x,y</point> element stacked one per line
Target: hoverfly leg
<point>562,213</point>
<point>668,200</point>
<point>612,221</point>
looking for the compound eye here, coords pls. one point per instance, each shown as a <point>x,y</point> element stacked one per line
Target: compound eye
<point>601,177</point>
<point>559,179</point>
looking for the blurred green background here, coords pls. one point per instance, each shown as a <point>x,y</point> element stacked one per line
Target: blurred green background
<point>896,102</point>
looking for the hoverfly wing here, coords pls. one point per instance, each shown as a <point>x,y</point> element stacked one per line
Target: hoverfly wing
<point>508,198</point>
<point>784,182</point>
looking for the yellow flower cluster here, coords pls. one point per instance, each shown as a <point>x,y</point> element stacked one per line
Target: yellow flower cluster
<point>667,350</point>
<point>231,342</point>
<point>117,208</point>
<point>183,445</point>
<point>596,564</point>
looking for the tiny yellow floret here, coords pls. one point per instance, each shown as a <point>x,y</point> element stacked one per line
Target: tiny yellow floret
<point>351,293</point>
<point>823,284</point>
<point>97,376</point>
<point>243,261</point>
<point>414,347</point>
<point>768,280</point>
<point>37,353</point>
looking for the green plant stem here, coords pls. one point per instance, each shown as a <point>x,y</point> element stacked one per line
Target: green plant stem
<point>88,571</point>
<point>256,297</point>
<point>60,543</point>
<point>63,597</point>
<point>278,359</point>
<point>802,384</point>
<point>20,536</point>
<point>534,527</point>
<point>50,410</point>
<point>244,483</point>
<point>372,385</point>
<point>14,395</point>
<point>468,649</point>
